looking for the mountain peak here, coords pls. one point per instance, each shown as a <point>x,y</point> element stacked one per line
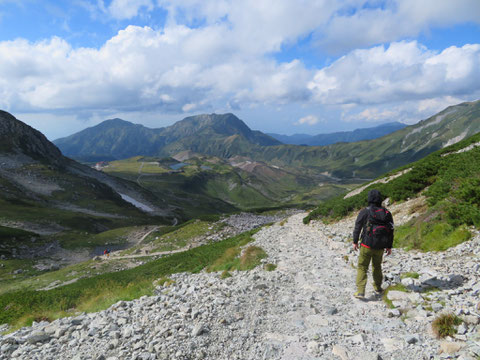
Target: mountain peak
<point>205,133</point>
<point>116,122</point>
<point>220,124</point>
<point>225,123</point>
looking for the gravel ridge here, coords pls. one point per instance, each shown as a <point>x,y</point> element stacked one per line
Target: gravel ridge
<point>302,310</point>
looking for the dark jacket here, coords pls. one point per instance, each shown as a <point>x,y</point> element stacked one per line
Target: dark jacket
<point>359,232</point>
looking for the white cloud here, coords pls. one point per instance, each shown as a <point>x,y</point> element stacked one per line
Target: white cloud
<point>143,68</point>
<point>188,107</point>
<point>127,9</point>
<point>308,120</point>
<point>403,71</point>
<point>227,62</point>
<point>364,26</point>
<point>375,114</point>
<point>408,112</point>
<point>254,27</point>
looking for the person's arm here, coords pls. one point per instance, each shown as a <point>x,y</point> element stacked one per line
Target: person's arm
<point>388,250</point>
<point>359,223</point>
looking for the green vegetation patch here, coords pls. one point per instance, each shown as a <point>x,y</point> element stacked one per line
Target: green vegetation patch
<point>8,233</point>
<point>429,236</point>
<point>8,268</point>
<point>412,275</point>
<point>32,279</point>
<point>76,239</point>
<point>236,259</point>
<point>20,308</point>
<point>176,238</point>
<point>270,267</point>
<point>445,325</point>
<point>396,287</point>
<point>137,165</point>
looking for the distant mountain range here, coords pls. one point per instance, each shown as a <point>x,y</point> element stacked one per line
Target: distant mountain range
<point>371,158</point>
<point>342,136</point>
<point>226,136</point>
<point>223,135</point>
<point>217,135</point>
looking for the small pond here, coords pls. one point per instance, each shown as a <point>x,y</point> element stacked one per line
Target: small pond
<point>177,166</point>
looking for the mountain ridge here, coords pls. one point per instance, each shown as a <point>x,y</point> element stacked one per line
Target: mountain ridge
<point>113,139</point>
<point>16,137</point>
<point>36,178</point>
<point>364,159</point>
<point>340,136</point>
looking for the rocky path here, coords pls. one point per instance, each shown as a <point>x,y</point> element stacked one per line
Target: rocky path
<point>149,254</point>
<point>302,310</point>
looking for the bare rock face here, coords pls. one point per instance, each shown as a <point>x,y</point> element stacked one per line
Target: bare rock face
<point>17,137</point>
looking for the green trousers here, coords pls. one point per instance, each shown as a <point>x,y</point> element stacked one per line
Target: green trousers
<point>367,255</point>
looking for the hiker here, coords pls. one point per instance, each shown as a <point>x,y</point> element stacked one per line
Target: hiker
<point>376,226</point>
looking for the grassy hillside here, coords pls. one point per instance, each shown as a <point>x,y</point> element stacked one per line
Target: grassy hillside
<point>450,181</point>
<point>52,197</point>
<point>203,184</point>
<point>97,292</point>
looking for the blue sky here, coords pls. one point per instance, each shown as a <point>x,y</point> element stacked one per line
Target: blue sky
<point>285,66</point>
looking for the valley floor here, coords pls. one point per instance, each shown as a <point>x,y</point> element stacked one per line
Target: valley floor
<point>302,310</point>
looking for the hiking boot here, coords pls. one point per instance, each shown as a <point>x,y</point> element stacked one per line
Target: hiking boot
<point>358,295</point>
<point>378,292</point>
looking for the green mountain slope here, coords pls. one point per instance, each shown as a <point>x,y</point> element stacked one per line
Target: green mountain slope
<point>42,191</point>
<point>202,184</point>
<point>450,181</point>
<point>369,159</point>
<point>110,140</point>
<point>207,134</point>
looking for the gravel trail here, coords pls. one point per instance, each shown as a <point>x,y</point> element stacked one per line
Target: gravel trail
<point>302,310</point>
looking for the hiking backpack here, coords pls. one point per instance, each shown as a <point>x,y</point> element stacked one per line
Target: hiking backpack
<point>378,231</point>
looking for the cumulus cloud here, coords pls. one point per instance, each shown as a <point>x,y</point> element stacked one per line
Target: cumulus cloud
<point>227,62</point>
<point>308,120</point>
<point>255,27</point>
<point>364,26</point>
<point>374,115</point>
<point>143,68</point>
<point>403,71</point>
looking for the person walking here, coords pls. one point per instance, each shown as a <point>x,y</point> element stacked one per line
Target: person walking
<point>374,227</point>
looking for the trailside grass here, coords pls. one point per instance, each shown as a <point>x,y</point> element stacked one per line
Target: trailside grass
<point>20,308</point>
<point>429,236</point>
<point>181,237</point>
